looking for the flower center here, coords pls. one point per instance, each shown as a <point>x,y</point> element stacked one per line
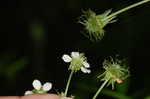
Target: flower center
<point>76,64</point>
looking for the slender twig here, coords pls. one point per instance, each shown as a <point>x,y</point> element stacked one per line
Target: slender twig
<point>100,89</point>
<point>127,8</point>
<point>68,83</point>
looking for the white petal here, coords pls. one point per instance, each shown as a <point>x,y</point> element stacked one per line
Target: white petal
<point>88,71</point>
<point>85,70</point>
<point>66,58</point>
<point>74,54</point>
<point>47,86</point>
<point>37,84</point>
<point>28,93</point>
<point>86,64</point>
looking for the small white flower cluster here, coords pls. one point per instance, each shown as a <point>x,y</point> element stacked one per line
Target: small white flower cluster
<point>38,88</point>
<point>78,62</point>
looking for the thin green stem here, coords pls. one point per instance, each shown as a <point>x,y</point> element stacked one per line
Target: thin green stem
<point>68,83</point>
<point>100,89</point>
<point>127,8</point>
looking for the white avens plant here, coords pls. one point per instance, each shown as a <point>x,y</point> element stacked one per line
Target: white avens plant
<point>77,62</point>
<point>114,70</point>
<point>39,88</point>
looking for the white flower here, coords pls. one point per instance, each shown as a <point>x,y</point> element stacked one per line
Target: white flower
<point>78,62</point>
<point>28,92</point>
<point>38,88</point>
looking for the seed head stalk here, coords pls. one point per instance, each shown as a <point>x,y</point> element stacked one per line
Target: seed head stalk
<point>127,8</point>
<point>100,89</point>
<point>68,83</point>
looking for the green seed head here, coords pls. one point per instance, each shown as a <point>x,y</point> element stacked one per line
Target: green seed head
<point>115,71</point>
<point>94,24</point>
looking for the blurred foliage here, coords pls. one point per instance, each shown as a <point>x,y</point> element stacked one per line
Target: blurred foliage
<point>148,97</point>
<point>10,66</point>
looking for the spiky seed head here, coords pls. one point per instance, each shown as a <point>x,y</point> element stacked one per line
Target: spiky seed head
<point>94,24</point>
<point>115,71</point>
